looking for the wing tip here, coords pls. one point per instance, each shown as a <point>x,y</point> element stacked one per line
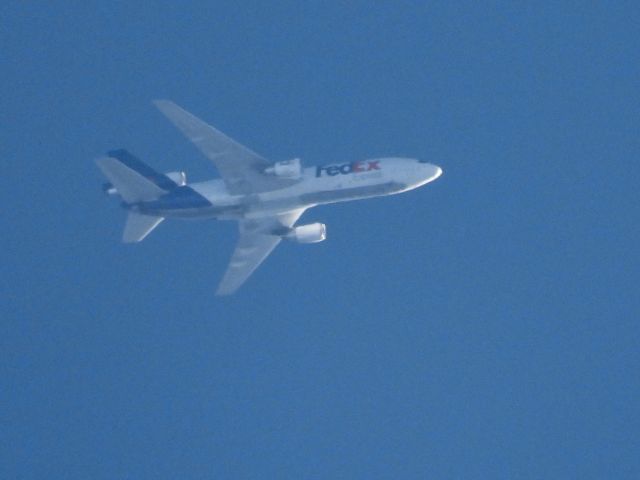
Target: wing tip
<point>161,102</point>
<point>225,292</point>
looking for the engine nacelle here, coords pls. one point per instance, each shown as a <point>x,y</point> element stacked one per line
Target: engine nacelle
<point>180,179</point>
<point>286,169</point>
<point>312,233</point>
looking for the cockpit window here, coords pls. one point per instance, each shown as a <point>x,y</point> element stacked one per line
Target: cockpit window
<point>423,161</point>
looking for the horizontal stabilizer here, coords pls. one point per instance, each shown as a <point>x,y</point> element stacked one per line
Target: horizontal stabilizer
<point>138,226</point>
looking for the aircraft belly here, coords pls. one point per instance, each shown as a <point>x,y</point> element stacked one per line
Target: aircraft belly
<point>202,212</point>
<point>260,205</point>
<point>351,193</point>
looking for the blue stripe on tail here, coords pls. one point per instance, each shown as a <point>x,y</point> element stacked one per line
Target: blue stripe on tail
<point>143,169</point>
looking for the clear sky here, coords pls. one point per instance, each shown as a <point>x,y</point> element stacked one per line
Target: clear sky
<point>484,326</point>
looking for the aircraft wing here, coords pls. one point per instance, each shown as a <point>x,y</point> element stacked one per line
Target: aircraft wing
<point>240,168</point>
<point>255,244</point>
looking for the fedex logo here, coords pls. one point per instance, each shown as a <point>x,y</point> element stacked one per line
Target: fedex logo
<point>347,168</point>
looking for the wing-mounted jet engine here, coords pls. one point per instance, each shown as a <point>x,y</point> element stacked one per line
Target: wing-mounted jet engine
<point>286,169</point>
<point>180,179</point>
<point>311,233</point>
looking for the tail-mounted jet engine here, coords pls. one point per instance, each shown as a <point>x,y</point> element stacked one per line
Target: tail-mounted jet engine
<point>180,178</point>
<point>312,233</point>
<point>286,169</point>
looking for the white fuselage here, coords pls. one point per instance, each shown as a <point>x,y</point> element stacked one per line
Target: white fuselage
<point>316,185</point>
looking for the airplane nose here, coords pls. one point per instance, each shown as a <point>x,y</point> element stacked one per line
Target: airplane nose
<point>428,172</point>
<point>434,172</point>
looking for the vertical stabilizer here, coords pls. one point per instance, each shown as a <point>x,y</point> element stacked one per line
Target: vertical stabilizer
<point>138,226</point>
<point>131,186</point>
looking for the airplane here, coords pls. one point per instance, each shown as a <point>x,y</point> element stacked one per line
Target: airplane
<point>265,198</point>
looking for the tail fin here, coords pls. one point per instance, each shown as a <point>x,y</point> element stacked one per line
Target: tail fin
<point>138,226</point>
<point>134,180</point>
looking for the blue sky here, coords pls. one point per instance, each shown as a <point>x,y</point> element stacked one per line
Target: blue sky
<point>485,326</point>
